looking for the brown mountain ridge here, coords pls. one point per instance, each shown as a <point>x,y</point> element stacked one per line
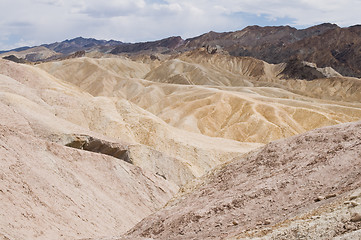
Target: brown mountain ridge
<point>326,45</point>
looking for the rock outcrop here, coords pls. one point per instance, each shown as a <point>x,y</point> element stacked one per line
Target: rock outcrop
<point>89,143</point>
<point>15,59</point>
<point>271,191</point>
<point>296,69</point>
<point>327,45</point>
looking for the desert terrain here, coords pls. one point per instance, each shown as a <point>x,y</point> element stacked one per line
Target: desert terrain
<point>190,144</point>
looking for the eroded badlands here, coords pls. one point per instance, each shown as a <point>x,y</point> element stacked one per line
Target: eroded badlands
<point>90,146</point>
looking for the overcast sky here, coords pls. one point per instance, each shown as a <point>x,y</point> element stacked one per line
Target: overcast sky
<point>33,22</point>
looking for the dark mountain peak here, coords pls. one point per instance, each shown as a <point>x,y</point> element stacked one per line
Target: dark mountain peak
<point>15,59</point>
<point>326,44</point>
<point>177,38</point>
<point>297,69</point>
<point>355,29</point>
<point>172,42</point>
<point>355,26</point>
<point>268,28</point>
<point>208,35</point>
<point>213,33</point>
<point>73,39</point>
<point>78,44</point>
<point>252,28</point>
<point>16,49</point>
<point>81,40</point>
<point>325,25</point>
<point>163,45</point>
<point>321,28</point>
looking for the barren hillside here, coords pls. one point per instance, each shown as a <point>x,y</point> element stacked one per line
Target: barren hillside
<point>241,99</point>
<point>51,191</point>
<point>295,188</point>
<point>32,54</point>
<point>90,146</point>
<point>42,114</point>
<point>327,45</point>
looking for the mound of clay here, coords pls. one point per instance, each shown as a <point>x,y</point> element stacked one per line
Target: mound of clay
<point>66,159</point>
<point>256,107</point>
<point>15,59</point>
<point>90,147</point>
<point>49,191</point>
<point>52,191</point>
<point>296,69</point>
<point>33,54</point>
<point>199,67</point>
<point>301,177</point>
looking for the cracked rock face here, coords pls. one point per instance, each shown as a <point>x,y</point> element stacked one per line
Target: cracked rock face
<point>92,144</point>
<point>50,191</point>
<point>270,192</point>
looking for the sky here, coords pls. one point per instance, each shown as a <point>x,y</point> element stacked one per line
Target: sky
<point>34,22</point>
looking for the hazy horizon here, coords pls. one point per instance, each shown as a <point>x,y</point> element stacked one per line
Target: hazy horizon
<point>31,23</point>
<point>69,39</point>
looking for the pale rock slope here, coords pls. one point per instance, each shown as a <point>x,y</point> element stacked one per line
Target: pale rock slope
<point>91,72</point>
<point>201,68</point>
<point>50,191</point>
<point>102,143</point>
<point>113,174</point>
<point>243,98</point>
<point>198,67</point>
<point>119,119</point>
<point>303,187</point>
<point>33,54</point>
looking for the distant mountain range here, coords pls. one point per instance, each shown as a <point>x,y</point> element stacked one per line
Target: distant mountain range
<point>79,44</point>
<point>73,45</point>
<point>327,45</point>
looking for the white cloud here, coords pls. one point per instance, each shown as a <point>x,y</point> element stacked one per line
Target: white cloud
<point>111,8</point>
<point>50,2</point>
<point>44,21</point>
